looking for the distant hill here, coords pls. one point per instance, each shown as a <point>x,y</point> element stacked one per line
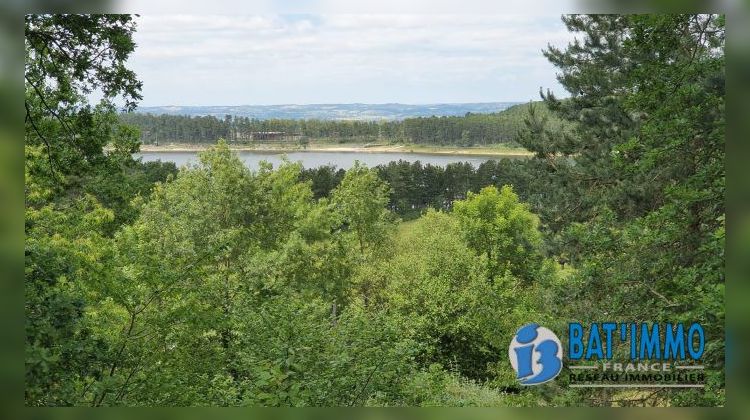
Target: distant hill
<point>364,112</point>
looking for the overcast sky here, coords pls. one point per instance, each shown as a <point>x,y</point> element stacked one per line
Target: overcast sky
<point>303,59</point>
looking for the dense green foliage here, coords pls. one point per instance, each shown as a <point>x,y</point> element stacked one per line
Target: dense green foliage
<point>469,130</point>
<point>237,287</point>
<point>473,129</point>
<point>415,187</point>
<point>640,181</point>
<point>221,285</point>
<point>209,129</point>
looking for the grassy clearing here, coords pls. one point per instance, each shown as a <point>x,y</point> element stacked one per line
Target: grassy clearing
<point>405,227</point>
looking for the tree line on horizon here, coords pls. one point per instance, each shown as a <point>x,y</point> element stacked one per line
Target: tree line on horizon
<point>469,130</point>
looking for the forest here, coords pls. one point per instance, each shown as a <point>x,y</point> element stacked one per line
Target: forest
<point>469,130</point>
<point>414,187</point>
<point>400,285</point>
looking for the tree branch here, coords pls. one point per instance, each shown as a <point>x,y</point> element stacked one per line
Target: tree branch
<point>30,119</point>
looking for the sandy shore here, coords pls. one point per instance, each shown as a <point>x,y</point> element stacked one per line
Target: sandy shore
<point>354,148</point>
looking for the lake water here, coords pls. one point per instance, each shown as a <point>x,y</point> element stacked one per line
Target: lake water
<point>314,159</point>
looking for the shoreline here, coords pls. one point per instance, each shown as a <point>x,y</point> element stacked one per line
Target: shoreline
<point>354,148</point>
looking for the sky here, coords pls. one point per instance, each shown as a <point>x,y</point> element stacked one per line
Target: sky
<point>241,59</point>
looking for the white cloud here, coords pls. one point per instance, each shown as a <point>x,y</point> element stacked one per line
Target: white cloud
<point>240,59</point>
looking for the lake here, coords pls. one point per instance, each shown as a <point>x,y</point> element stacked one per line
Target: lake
<point>339,159</point>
